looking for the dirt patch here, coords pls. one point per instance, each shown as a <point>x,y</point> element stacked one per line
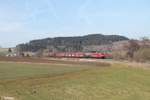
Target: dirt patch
<point>25,59</point>
<point>6,98</point>
<point>50,61</point>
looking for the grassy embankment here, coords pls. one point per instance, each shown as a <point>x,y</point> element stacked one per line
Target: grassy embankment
<point>74,82</point>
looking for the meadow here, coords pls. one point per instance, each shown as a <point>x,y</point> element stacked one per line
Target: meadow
<point>118,81</point>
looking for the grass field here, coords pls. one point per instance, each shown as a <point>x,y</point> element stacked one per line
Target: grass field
<point>74,82</point>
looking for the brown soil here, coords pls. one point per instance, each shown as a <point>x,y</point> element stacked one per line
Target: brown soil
<point>49,61</point>
<point>32,60</point>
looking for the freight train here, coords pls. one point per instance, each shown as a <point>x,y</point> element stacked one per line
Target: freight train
<point>96,55</point>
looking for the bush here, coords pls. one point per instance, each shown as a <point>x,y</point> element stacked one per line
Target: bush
<point>142,55</point>
<point>119,55</point>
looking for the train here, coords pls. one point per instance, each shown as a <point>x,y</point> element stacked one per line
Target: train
<point>97,55</point>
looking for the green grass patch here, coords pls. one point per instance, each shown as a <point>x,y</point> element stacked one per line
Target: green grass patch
<point>12,71</point>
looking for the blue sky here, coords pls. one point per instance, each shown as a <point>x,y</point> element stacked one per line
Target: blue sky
<point>24,20</point>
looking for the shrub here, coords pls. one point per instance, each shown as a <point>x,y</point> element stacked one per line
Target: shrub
<point>142,55</point>
<point>118,55</point>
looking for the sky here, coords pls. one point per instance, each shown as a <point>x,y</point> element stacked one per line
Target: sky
<point>25,20</point>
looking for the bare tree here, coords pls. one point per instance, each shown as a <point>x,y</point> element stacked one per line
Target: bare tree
<point>132,48</point>
<point>10,50</point>
<point>145,42</point>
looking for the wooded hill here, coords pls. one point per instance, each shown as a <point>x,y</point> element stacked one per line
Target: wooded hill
<point>78,43</point>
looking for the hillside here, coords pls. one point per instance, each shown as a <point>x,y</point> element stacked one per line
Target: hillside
<point>78,43</point>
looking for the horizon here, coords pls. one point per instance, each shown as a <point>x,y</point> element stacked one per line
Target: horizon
<point>22,21</point>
